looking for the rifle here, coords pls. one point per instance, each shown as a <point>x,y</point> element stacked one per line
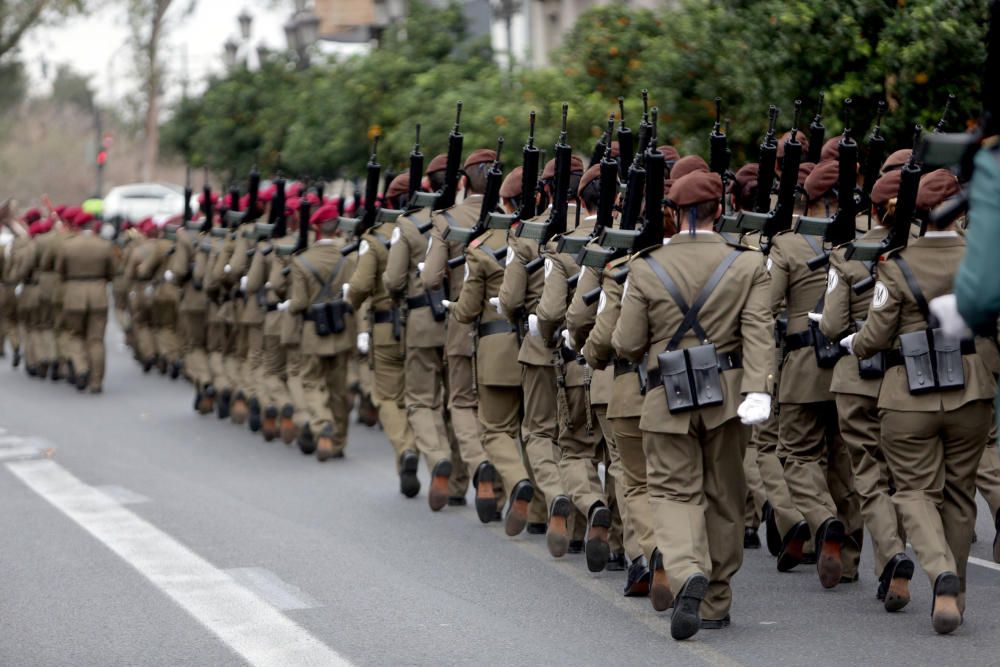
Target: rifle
<point>529,173</point>
<point>304,212</point>
<point>277,217</point>
<point>817,133</point>
<point>944,114</point>
<point>188,192</point>
<point>768,158</point>
<point>416,169</point>
<point>206,205</point>
<point>782,217</point>
<point>491,201</point>
<point>873,164</point>
<point>644,126</point>
<point>841,228</point>
<point>719,153</point>
<point>626,151</point>
<point>899,233</point>
<point>556,223</point>
<point>447,197</point>
<point>358,226</point>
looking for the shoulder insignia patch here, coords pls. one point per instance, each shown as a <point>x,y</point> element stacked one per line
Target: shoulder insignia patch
<point>881,295</point>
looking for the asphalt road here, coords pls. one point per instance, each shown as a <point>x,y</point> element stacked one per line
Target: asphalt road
<point>136,533</point>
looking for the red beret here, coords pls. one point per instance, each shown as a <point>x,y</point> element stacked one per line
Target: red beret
<point>511,186</point>
<point>399,186</point>
<point>292,205</point>
<point>575,167</point>
<point>32,215</point>
<point>822,179</point>
<point>33,228</point>
<point>479,156</point>
<point>201,198</point>
<point>70,213</point>
<point>589,176</point>
<point>831,149</point>
<point>800,135</point>
<point>59,209</point>
<point>244,202</point>
<point>696,187</point>
<point>896,160</point>
<point>805,168</point>
<point>293,189</point>
<point>936,187</point>
<point>267,194</point>
<point>686,165</point>
<point>438,163</point>
<point>324,213</point>
<point>886,187</point>
<point>81,220</point>
<point>313,199</point>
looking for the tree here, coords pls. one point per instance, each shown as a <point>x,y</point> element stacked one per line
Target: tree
<point>70,87</point>
<point>17,17</point>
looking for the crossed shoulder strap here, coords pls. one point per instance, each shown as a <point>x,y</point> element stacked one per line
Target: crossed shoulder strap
<point>325,283</point>
<point>690,313</point>
<point>911,282</point>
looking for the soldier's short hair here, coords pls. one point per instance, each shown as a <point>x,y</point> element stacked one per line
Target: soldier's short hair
<point>476,177</point>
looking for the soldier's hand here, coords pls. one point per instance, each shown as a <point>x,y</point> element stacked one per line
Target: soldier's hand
<point>364,341</point>
<point>243,283</point>
<point>346,289</point>
<point>945,309</point>
<point>18,289</point>
<point>495,302</point>
<point>848,343</point>
<point>567,340</point>
<point>446,303</point>
<point>168,275</point>
<point>815,317</point>
<point>227,269</point>
<point>533,325</point>
<point>283,306</point>
<point>755,408</point>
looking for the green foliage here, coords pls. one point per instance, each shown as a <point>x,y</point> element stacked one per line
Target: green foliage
<point>752,53</point>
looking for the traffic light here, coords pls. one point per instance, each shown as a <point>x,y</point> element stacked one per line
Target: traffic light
<point>102,157</point>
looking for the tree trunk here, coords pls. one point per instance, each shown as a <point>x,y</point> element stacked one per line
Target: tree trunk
<point>151,148</point>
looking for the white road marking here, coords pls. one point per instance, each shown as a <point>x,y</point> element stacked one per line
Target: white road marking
<point>251,627</point>
<point>121,495</point>
<point>20,453</point>
<point>984,563</point>
<point>271,587</point>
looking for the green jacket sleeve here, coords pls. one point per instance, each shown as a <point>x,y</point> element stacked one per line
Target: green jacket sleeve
<point>977,286</point>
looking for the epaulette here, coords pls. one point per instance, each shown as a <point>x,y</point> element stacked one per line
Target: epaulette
<point>642,253</point>
<point>741,246</point>
<point>618,261</point>
<point>783,232</point>
<point>889,254</point>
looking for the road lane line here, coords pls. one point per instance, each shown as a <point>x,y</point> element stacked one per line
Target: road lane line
<point>279,594</point>
<point>250,626</point>
<point>984,563</point>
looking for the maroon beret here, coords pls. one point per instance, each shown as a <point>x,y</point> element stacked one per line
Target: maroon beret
<point>399,186</point>
<point>670,153</point>
<point>687,165</point>
<point>511,186</point>
<point>324,213</point>
<point>576,167</point>
<point>822,179</point>
<point>696,187</point>
<point>936,187</point>
<point>479,156</point>
<point>588,176</point>
<point>831,149</point>
<point>896,160</point>
<point>886,187</point>
<point>438,163</point>
<point>800,135</point>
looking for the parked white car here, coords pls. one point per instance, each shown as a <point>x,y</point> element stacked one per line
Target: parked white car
<point>138,201</point>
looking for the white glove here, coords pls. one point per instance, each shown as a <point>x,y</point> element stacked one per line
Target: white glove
<point>267,285</point>
<point>495,302</point>
<point>848,343</point>
<point>131,295</point>
<point>533,325</point>
<point>283,306</point>
<point>148,291</point>
<point>19,289</point>
<point>420,267</point>
<point>363,342</point>
<point>346,289</point>
<point>446,303</point>
<point>168,275</point>
<point>567,340</point>
<point>755,408</point>
<point>815,317</point>
<point>227,269</point>
<point>243,283</point>
<point>945,309</point>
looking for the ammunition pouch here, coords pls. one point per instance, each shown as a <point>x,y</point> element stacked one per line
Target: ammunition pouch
<point>916,352</point>
<point>623,366</point>
<point>328,314</point>
<point>872,368</point>
<point>392,316</point>
<point>435,297</point>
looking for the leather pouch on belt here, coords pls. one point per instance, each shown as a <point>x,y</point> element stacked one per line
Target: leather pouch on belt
<point>950,373</point>
<point>321,319</point>
<point>828,352</point>
<point>435,297</point>
<point>703,362</point>
<point>916,351</point>
<point>676,380</point>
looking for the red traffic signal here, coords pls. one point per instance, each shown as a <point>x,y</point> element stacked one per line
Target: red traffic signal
<point>102,157</point>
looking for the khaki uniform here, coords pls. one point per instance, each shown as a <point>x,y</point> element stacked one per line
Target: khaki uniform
<point>424,340</point>
<point>188,267</point>
<point>61,333</point>
<point>817,469</point>
<point>462,401</point>
<point>225,282</point>
<point>87,265</point>
<point>163,302</point>
<point>140,302</point>
<point>694,459</point>
<point>624,409</point>
<point>857,406</point>
<point>385,350</point>
<point>933,442</point>
<point>579,437</point>
<point>324,359</point>
<point>499,381</point>
<point>252,311</point>
<point>218,316</point>
<point>13,274</point>
<point>49,285</point>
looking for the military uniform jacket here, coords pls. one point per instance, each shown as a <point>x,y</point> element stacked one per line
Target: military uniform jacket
<point>368,282</point>
<point>494,352</point>
<point>155,265</point>
<point>87,265</point>
<point>556,295</point>
<point>45,261</point>
<point>842,309</point>
<point>934,262</point>
<point>408,248</point>
<point>188,266</point>
<point>277,287</point>
<point>244,250</point>
<point>625,398</point>
<point>324,256</point>
<point>520,294</point>
<point>459,336</point>
<point>797,290</point>
<point>138,283</point>
<point>580,320</point>
<point>736,317</point>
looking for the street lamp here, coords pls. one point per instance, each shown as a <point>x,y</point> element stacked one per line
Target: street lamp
<point>246,20</point>
<point>231,49</point>
<point>301,32</point>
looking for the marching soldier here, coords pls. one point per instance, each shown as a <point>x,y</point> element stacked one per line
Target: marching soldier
<point>186,269</point>
<point>698,303</point>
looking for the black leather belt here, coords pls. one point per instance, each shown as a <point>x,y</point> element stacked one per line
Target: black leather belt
<point>420,301</point>
<point>382,316</point>
<point>495,327</point>
<point>894,357</point>
<point>84,278</point>
<point>727,361</point>
<point>623,366</point>
<point>799,340</point>
<point>271,307</point>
